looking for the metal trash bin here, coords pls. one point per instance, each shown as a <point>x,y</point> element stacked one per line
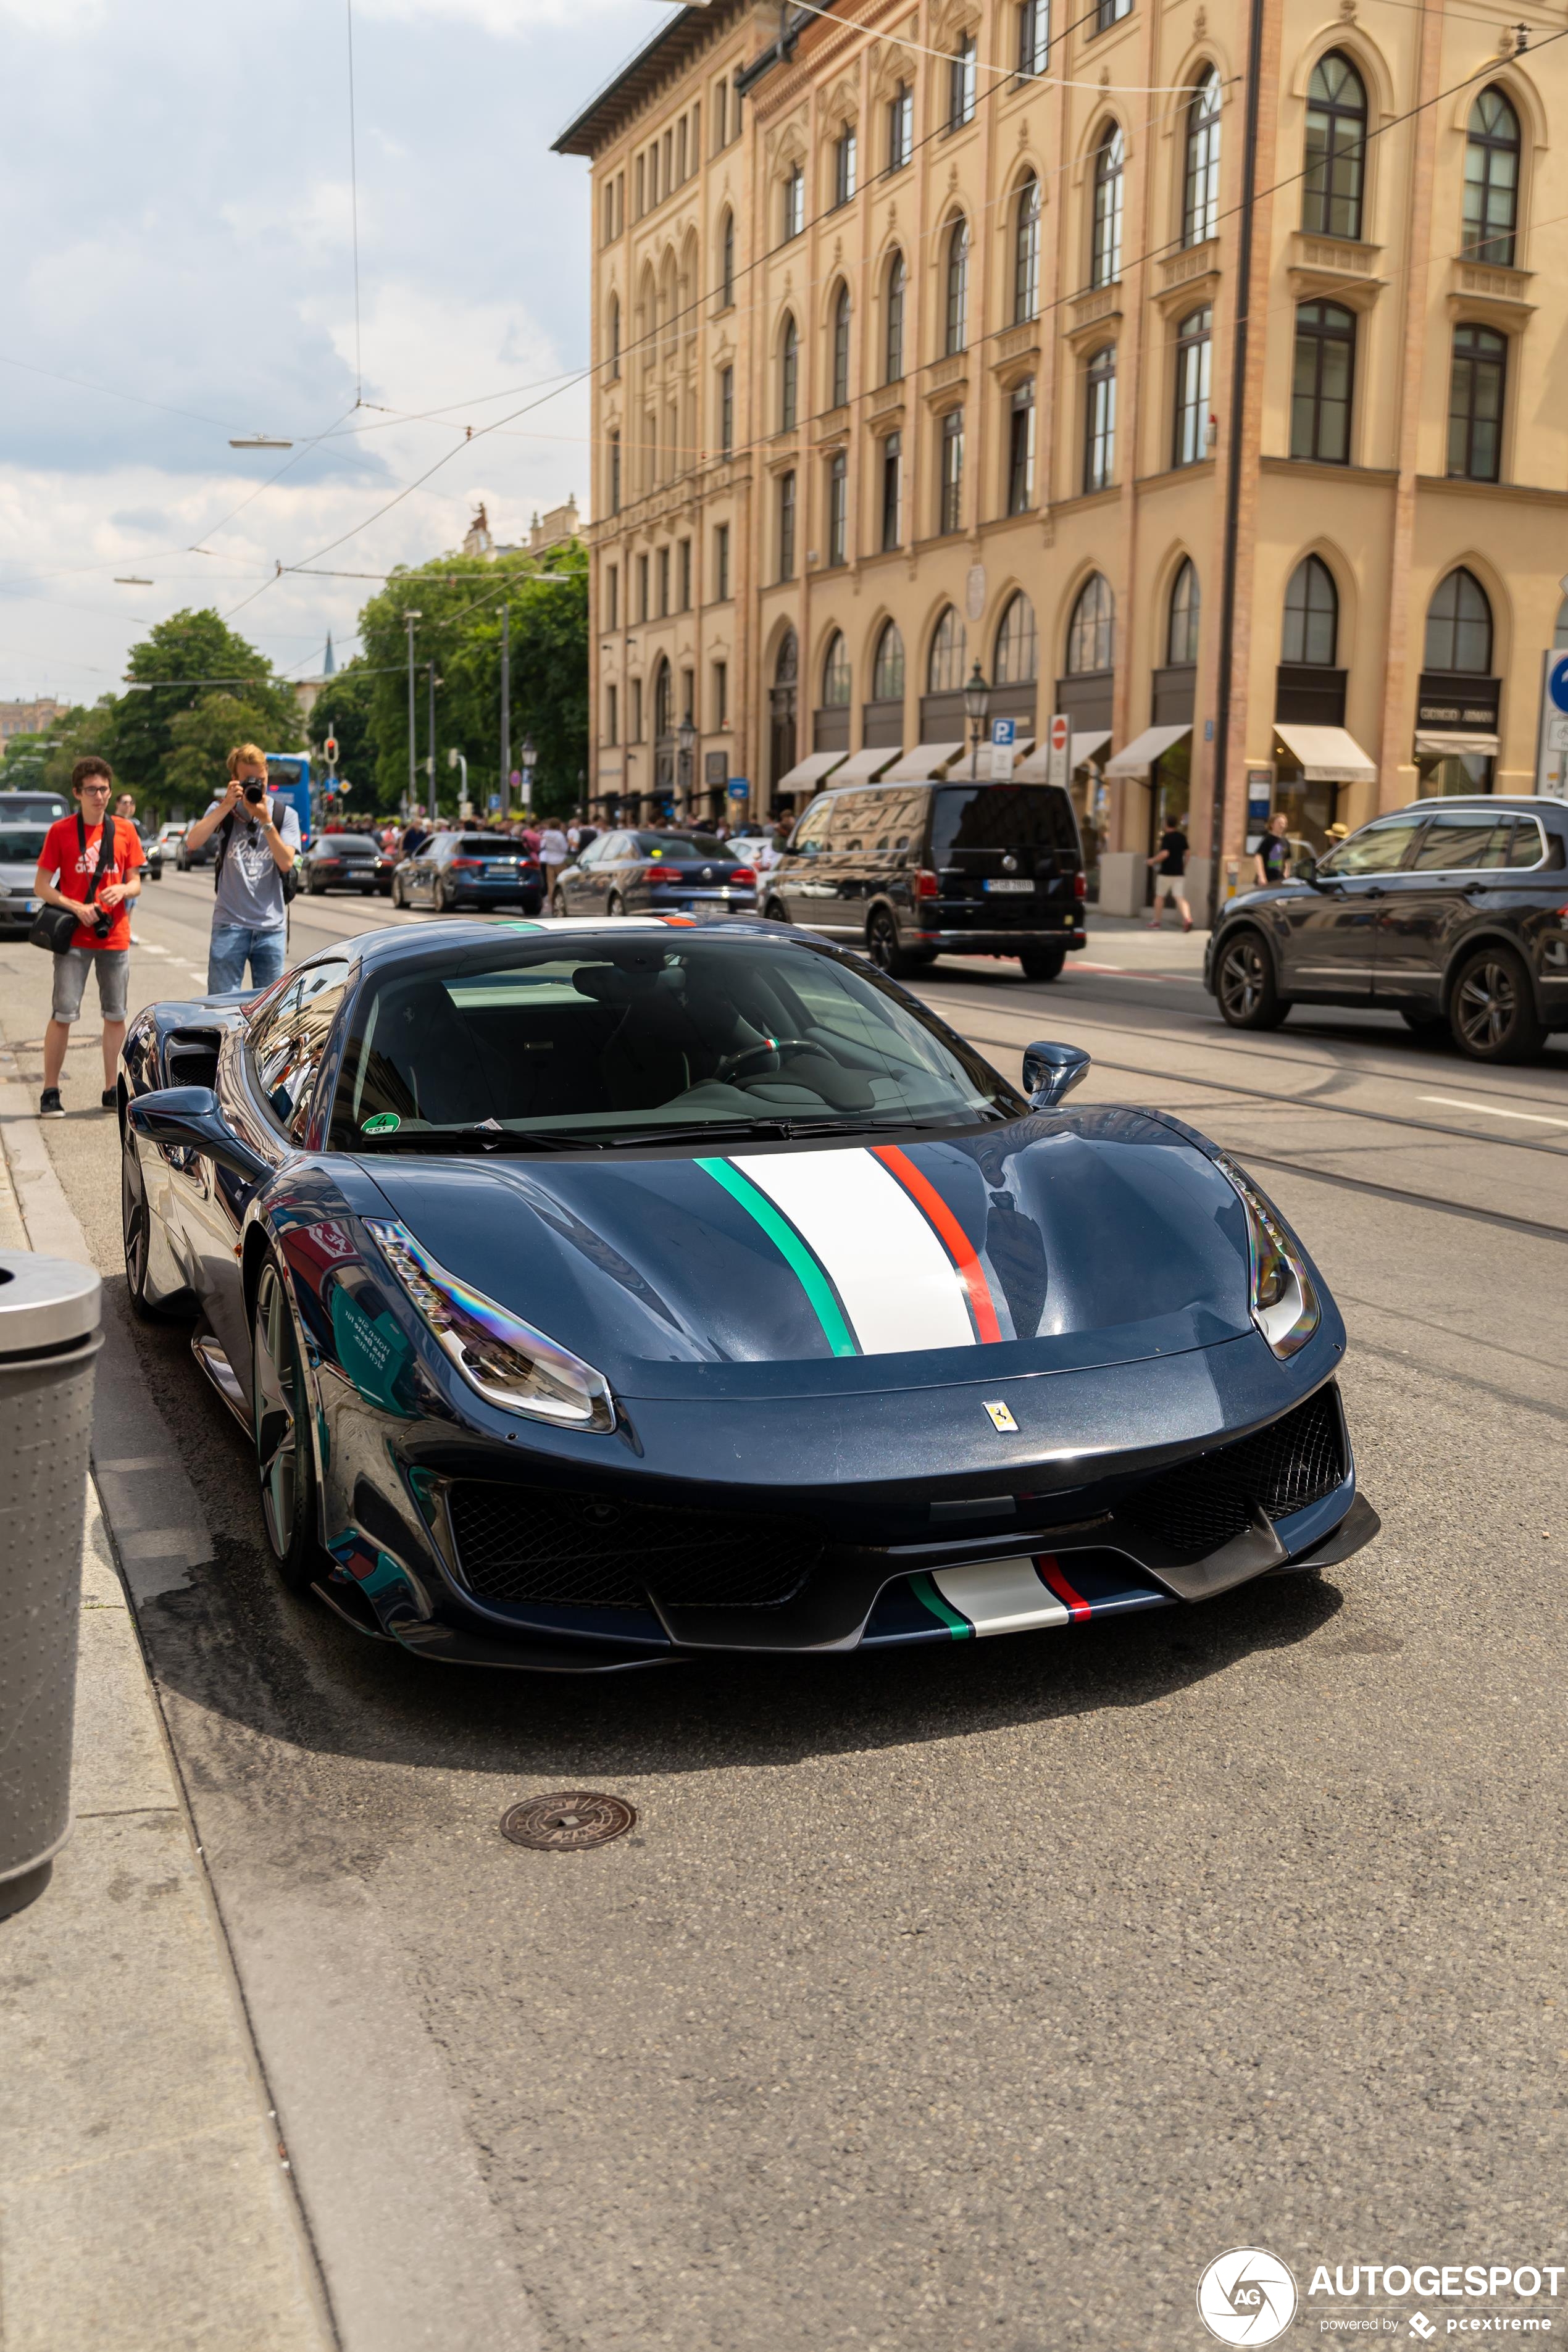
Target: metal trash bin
<point>49,1337</point>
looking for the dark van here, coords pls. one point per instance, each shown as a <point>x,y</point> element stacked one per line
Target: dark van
<point>914,871</point>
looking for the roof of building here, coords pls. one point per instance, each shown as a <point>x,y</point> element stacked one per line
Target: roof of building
<point>664,52</point>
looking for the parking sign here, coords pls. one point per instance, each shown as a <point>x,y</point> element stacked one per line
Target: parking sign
<point>1004,741</point>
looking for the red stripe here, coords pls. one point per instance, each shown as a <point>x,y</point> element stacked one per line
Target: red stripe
<point>1077,1607</point>
<point>954,1240</point>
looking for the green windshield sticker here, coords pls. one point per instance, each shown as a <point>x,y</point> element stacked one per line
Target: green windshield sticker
<point>386,1122</point>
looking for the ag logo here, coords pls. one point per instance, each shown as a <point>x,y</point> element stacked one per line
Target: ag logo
<point>1246,2297</point>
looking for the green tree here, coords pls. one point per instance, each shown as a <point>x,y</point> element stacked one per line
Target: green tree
<point>194,770</point>
<point>183,660</point>
<point>460,599</point>
<point>345,708</point>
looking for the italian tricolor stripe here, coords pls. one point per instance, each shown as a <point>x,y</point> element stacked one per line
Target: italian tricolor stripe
<point>954,1240</point>
<point>790,1246</point>
<point>993,1596</point>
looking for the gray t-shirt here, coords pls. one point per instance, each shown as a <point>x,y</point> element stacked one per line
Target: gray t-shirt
<point>249,886</point>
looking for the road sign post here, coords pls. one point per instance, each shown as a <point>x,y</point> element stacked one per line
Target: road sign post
<point>1551,741</point>
<point>1058,749</point>
<point>1004,749</point>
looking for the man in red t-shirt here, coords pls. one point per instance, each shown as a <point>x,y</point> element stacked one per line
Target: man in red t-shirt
<point>97,879</point>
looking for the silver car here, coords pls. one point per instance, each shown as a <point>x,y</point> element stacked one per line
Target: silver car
<point>21,846</point>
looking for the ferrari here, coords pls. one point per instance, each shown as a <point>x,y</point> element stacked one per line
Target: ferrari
<point>598,1293</point>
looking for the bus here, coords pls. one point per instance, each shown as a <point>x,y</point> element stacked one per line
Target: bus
<point>289,781</point>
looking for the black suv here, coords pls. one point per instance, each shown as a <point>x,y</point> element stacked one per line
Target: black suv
<point>915,871</point>
<point>1449,910</point>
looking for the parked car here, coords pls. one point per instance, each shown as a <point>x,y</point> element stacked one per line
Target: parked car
<point>656,873</point>
<point>32,808</point>
<point>169,837</point>
<point>603,1295</point>
<point>1446,911</point>
<point>469,869</point>
<point>186,860</point>
<point>151,854</point>
<point>348,861</point>
<point>913,871</point>
<point>21,846</point>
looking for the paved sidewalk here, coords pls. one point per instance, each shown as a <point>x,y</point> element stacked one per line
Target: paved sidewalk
<point>144,2200</point>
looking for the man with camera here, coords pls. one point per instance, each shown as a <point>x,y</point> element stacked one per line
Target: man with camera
<point>251,881</point>
<point>89,869</point>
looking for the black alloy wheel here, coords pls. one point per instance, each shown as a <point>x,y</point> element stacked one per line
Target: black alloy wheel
<point>775,911</point>
<point>1245,985</point>
<point>1492,1011</point>
<point>135,1224</point>
<point>1042,963</point>
<point>397,897</point>
<point>285,1463</point>
<point>882,946</point>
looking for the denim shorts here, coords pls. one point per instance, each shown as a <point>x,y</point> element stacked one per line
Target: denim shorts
<point>113,965</point>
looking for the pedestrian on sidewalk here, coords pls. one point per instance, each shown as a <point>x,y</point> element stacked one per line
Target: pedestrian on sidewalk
<point>1170,866</point>
<point>553,855</point>
<point>254,877</point>
<point>88,865</point>
<point>1271,859</point>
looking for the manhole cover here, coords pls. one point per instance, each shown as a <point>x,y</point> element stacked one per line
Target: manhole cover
<point>566,1822</point>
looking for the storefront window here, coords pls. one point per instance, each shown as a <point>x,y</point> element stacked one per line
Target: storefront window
<point>1457,771</point>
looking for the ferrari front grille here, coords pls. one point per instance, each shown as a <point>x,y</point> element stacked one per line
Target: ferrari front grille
<point>519,1544</point>
<point>1195,1508</point>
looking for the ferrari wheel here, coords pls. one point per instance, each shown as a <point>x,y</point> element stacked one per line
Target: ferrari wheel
<point>284,1462</point>
<point>1245,985</point>
<point>1492,1012</point>
<point>135,1224</point>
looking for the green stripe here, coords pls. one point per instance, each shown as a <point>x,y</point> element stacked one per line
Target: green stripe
<point>788,1243</point>
<point>925,1591</point>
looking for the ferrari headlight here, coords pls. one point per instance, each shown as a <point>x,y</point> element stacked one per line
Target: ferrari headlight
<point>505,1359</point>
<point>1284,1301</point>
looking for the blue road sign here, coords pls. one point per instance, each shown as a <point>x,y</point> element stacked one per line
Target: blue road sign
<point>1557,683</point>
<point>738,788</point>
<point>1005,731</point>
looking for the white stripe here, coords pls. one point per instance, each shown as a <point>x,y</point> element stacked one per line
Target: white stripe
<point>1000,1596</point>
<point>1494,1110</point>
<point>899,1285</point>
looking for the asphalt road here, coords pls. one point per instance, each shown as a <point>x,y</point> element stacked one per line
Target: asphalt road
<point>967,1998</point>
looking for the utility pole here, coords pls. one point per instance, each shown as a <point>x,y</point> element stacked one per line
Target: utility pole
<point>410,617</point>
<point>430,668</point>
<point>506,708</point>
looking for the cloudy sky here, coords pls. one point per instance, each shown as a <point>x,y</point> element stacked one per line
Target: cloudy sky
<point>175,175</point>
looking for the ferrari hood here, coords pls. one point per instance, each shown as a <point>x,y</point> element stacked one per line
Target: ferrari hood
<point>1059,1242</point>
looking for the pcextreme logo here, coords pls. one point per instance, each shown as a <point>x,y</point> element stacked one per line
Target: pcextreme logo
<point>1246,2297</point>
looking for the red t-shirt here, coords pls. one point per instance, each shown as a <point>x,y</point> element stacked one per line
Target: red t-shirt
<point>71,867</point>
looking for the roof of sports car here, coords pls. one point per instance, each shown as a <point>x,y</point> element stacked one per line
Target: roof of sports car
<point>410,938</point>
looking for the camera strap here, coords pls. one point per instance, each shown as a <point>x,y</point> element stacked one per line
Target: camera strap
<point>105,842</point>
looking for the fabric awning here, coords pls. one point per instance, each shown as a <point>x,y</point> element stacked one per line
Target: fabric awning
<point>865,767</point>
<point>1445,746</point>
<point>1136,758</point>
<point>1035,768</point>
<point>926,759</point>
<point>1329,755</point>
<point>810,771</point>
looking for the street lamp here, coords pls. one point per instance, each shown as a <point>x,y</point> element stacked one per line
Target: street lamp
<point>454,759</point>
<point>529,758</point>
<point>410,616</point>
<point>976,709</point>
<point>686,742</point>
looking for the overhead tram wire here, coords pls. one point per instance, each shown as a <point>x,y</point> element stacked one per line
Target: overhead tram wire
<point>354,202</point>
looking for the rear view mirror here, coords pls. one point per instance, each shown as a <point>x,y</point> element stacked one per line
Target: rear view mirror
<point>1051,1071</point>
<point>188,1119</point>
<point>1305,869</point>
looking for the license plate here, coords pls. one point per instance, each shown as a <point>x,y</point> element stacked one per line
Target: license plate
<point>1009,885</point>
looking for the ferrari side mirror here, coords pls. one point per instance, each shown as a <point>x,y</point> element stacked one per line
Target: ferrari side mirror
<point>1051,1071</point>
<point>189,1120</point>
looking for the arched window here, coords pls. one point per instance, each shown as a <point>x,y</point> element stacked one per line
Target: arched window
<point>957,285</point>
<point>787,669</point>
<point>1182,634</point>
<point>893,341</point>
<point>614,338</point>
<point>1100,419</point>
<point>1491,181</point>
<point>1475,404</point>
<point>1311,616</point>
<point>1018,659</point>
<point>1027,251</point>
<point>1460,627</point>
<point>835,672</point>
<point>663,699</point>
<point>1322,383</point>
<point>1200,193</point>
<point>1091,630</point>
<point>727,261</point>
<point>1335,175</point>
<point>888,669</point>
<point>1105,249</point>
<point>840,386</point>
<point>945,667</point>
<point>789,376</point>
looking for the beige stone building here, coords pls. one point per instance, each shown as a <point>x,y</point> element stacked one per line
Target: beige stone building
<point>916,350</point>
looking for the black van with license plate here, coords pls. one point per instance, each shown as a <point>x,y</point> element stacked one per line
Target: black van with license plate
<point>911,871</point>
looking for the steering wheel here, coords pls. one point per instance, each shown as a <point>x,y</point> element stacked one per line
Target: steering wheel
<point>733,1063</point>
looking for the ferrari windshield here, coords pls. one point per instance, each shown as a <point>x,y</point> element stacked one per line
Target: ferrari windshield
<point>594,1040</point>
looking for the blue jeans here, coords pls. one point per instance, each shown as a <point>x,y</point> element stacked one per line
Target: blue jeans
<point>230,945</point>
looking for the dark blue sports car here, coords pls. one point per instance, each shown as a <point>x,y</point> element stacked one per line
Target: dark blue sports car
<point>600,1293</point>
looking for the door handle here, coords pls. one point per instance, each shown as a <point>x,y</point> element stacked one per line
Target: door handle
<point>1374,890</point>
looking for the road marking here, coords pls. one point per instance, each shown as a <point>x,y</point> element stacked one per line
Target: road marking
<point>1493,1110</point>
